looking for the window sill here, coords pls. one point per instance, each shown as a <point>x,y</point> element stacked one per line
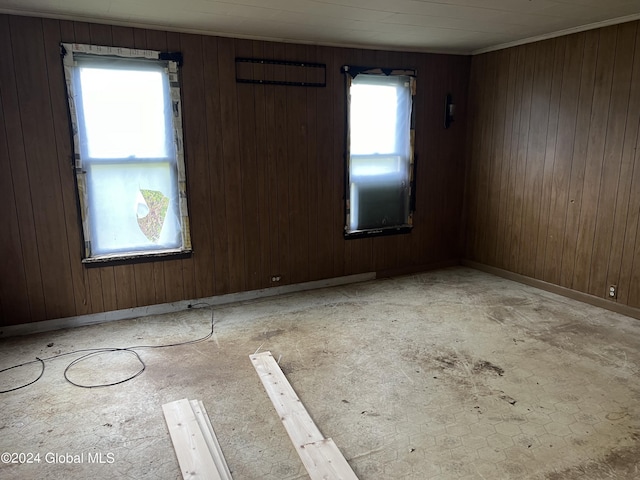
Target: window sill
<point>378,232</point>
<point>138,257</point>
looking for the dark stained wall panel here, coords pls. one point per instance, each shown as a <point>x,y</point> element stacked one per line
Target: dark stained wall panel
<point>568,186</point>
<point>265,173</point>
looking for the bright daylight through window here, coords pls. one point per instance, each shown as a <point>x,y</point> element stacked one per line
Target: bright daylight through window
<point>126,116</point>
<point>380,159</point>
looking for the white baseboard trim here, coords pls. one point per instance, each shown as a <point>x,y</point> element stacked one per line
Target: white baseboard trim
<point>557,289</point>
<point>128,313</point>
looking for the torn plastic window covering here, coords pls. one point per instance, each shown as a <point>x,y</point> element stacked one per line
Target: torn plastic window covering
<point>127,128</point>
<point>117,199</point>
<point>380,152</point>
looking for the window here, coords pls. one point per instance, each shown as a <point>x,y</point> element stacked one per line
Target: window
<point>379,151</point>
<point>129,163</point>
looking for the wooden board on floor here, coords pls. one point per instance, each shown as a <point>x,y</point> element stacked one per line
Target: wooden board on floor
<point>189,443</point>
<point>323,460</point>
<point>320,456</point>
<point>210,438</point>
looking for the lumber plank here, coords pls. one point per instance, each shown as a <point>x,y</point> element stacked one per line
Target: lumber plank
<point>196,462</point>
<point>324,461</point>
<point>320,456</point>
<point>210,438</point>
<point>298,423</point>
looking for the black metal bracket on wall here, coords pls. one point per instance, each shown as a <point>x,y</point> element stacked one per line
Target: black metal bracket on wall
<point>319,70</point>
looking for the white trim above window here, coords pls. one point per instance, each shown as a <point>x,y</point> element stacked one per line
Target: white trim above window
<point>126,117</point>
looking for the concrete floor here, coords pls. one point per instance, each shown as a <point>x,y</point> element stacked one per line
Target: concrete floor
<point>444,375</point>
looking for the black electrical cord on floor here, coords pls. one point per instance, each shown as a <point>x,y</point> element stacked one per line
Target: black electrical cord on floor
<point>98,352</point>
<point>21,365</point>
<point>90,352</point>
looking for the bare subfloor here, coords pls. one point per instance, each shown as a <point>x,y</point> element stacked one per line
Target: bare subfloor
<point>444,375</point>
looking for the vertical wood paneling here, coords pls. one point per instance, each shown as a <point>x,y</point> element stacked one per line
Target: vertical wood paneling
<point>630,272</point>
<point>453,186</point>
<point>198,162</point>
<point>271,154</point>
<point>628,201</point>
<point>634,282</point>
<point>313,171</point>
<point>472,154</point>
<point>216,181</point>
<point>509,65</point>
<point>550,154</point>
<point>265,173</point>
<point>264,157</point>
<point>577,161</point>
<point>497,159</point>
<point>125,285</point>
<point>32,83</point>
<point>52,34</point>
<point>17,237</point>
<point>595,153</point>
<point>634,289</point>
<point>569,181</point>
<point>67,32</point>
<point>324,217</point>
<point>12,286</point>
<point>232,165</point>
<point>296,128</point>
<point>485,147</point>
<point>253,274</point>
<point>95,290</point>
<point>535,156</point>
<point>421,243</point>
<point>281,170</point>
<point>521,188</point>
<point>611,163</point>
<point>562,169</point>
<point>518,79</point>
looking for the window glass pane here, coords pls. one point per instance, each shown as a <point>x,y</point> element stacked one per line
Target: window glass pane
<point>373,118</point>
<point>124,113</point>
<point>135,207</point>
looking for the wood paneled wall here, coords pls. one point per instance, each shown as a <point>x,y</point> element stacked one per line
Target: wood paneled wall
<point>553,173</point>
<point>265,174</point>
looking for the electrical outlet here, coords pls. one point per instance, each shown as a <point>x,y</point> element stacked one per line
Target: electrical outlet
<point>276,278</point>
<point>613,291</point>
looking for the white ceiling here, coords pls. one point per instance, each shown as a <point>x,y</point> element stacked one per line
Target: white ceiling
<point>460,26</point>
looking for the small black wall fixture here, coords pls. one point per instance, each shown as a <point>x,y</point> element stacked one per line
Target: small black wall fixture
<point>449,110</point>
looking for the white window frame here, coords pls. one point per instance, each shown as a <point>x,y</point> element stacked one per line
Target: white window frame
<point>402,188</point>
<point>82,162</point>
